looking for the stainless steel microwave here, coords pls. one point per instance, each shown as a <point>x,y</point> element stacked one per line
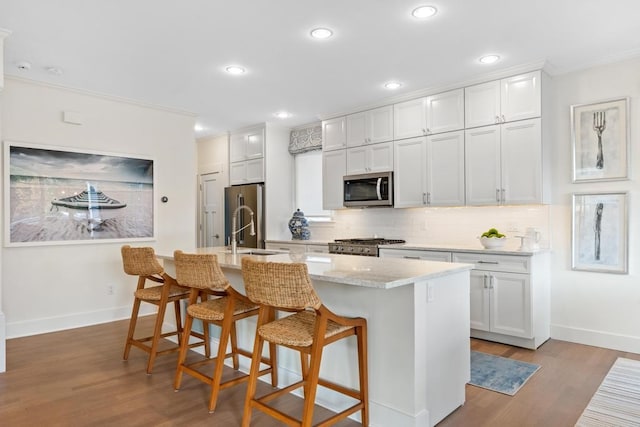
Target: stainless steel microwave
<point>370,189</point>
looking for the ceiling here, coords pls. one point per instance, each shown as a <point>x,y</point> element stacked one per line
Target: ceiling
<point>173,53</point>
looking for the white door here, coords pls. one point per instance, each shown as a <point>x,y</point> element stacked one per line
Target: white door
<point>409,119</point>
<point>380,125</point>
<point>445,169</point>
<point>255,144</point>
<point>479,300</point>
<point>511,304</point>
<point>482,165</point>
<point>334,134</point>
<point>410,157</point>
<point>356,129</point>
<point>211,211</point>
<point>521,155</point>
<point>520,97</point>
<point>445,112</point>
<point>334,168</point>
<point>482,104</point>
<point>357,160</point>
<point>380,157</point>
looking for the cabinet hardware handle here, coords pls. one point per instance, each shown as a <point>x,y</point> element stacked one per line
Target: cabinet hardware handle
<point>497,119</point>
<point>428,131</point>
<point>503,200</point>
<point>283,249</point>
<point>498,195</point>
<point>424,131</point>
<point>484,281</point>
<point>491,280</point>
<point>411,257</point>
<point>503,120</point>
<point>424,198</point>
<point>488,262</point>
<point>428,198</point>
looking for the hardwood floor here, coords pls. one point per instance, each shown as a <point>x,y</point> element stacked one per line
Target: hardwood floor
<point>77,378</point>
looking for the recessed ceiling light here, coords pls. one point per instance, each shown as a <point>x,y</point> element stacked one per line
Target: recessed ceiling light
<point>282,115</point>
<point>55,71</point>
<point>198,128</point>
<point>422,12</point>
<point>235,69</point>
<point>489,59</point>
<point>321,33</point>
<point>24,65</point>
<point>392,85</point>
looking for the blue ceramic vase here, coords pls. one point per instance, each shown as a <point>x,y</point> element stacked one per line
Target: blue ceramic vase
<point>299,226</point>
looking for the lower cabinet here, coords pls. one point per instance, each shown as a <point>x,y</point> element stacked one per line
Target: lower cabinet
<point>298,247</point>
<point>509,294</point>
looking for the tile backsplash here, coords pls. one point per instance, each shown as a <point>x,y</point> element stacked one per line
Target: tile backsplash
<point>456,225</point>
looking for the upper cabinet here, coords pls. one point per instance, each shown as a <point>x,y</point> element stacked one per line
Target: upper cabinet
<point>370,158</point>
<point>501,101</point>
<point>246,156</point>
<point>334,134</point>
<point>370,127</point>
<point>430,115</point>
<point>334,167</point>
<point>3,34</point>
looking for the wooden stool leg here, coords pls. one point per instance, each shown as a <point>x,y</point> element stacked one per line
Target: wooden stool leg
<point>132,328</point>
<point>364,372</point>
<point>273,361</point>
<point>179,329</point>
<point>311,383</point>
<point>157,330</point>
<point>234,347</point>
<point>188,323</point>
<point>263,316</point>
<point>228,325</point>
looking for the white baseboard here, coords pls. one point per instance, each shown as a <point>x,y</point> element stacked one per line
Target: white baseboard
<point>3,344</point>
<point>75,320</point>
<point>596,338</point>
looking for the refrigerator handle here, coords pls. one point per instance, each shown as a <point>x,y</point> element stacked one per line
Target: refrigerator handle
<point>240,202</point>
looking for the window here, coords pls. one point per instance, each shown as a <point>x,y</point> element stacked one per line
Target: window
<point>308,185</point>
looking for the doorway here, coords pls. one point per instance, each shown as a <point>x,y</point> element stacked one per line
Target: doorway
<point>211,210</point>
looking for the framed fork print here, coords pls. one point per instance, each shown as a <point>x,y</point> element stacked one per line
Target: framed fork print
<point>600,140</point>
<point>599,232</point>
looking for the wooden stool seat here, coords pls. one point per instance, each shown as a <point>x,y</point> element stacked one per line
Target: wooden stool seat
<point>312,326</point>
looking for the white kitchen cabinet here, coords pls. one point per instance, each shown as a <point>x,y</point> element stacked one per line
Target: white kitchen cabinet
<point>428,255</point>
<point>370,158</point>
<point>298,247</point>
<point>429,171</point>
<point>246,145</point>
<point>370,127</point>
<point>503,164</point>
<point>334,134</point>
<point>246,156</point>
<point>500,101</point>
<point>334,168</point>
<point>509,296</point>
<point>429,115</point>
<point>3,35</point>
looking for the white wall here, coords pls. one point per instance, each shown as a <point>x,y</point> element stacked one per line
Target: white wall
<point>46,288</point>
<point>594,308</point>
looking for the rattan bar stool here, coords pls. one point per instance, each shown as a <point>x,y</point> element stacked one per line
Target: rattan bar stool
<point>202,273</point>
<point>287,287</point>
<point>143,263</point>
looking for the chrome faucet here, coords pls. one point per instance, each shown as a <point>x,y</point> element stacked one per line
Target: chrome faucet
<point>234,224</point>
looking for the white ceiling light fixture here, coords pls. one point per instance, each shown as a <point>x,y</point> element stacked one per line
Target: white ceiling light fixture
<point>282,114</point>
<point>55,71</point>
<point>321,33</point>
<point>423,12</point>
<point>489,59</point>
<point>24,65</point>
<point>392,85</point>
<point>235,69</point>
<point>198,127</point>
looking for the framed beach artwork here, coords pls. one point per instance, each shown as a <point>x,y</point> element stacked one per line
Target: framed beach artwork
<point>600,140</point>
<point>599,232</point>
<point>57,195</point>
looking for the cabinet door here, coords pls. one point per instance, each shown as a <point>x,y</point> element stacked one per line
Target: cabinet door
<point>445,169</point>
<point>479,301</point>
<point>357,160</point>
<point>409,172</point>
<point>511,304</point>
<point>254,144</point>
<point>334,167</point>
<point>521,155</point>
<point>520,97</point>
<point>237,147</point>
<point>380,157</point>
<point>238,173</point>
<point>445,112</point>
<point>356,129</point>
<point>482,104</point>
<point>409,119</point>
<point>318,249</point>
<point>379,125</point>
<point>427,255</point>
<point>255,170</point>
<point>334,134</point>
<point>482,165</point>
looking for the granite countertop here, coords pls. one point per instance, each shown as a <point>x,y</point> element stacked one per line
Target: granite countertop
<point>300,242</point>
<point>373,272</point>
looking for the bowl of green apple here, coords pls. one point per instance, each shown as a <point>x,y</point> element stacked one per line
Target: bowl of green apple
<point>492,239</point>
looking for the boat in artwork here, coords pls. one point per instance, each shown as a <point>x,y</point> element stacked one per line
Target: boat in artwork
<point>90,205</point>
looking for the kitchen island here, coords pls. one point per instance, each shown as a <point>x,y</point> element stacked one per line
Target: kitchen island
<point>418,330</point>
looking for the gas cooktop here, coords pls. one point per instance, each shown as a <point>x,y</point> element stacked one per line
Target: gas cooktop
<point>363,246</point>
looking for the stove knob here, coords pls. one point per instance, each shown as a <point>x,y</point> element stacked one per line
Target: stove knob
<point>367,250</point>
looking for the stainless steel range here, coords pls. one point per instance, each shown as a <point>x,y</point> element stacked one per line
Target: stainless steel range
<point>365,247</point>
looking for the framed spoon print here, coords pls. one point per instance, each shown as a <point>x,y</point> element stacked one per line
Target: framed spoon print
<point>600,140</point>
<point>599,232</point>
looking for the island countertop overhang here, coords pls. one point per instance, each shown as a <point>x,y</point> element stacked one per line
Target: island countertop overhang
<point>372,272</point>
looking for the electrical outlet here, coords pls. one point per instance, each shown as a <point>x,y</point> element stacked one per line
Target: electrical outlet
<point>109,289</point>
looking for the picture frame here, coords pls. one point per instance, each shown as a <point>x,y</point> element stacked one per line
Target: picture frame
<point>57,195</point>
<point>600,140</point>
<point>599,232</point>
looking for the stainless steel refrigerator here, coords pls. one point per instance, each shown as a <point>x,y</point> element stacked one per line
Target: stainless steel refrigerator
<point>252,196</point>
